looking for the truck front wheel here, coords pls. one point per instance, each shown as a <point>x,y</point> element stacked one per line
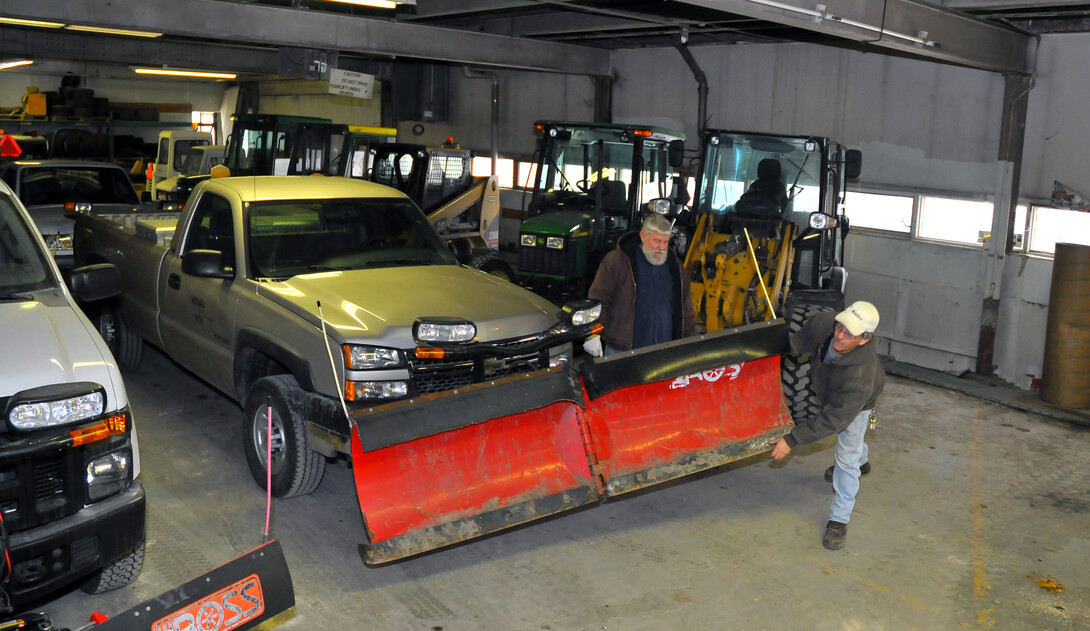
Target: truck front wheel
<point>127,347</point>
<point>296,469</point>
<point>119,573</point>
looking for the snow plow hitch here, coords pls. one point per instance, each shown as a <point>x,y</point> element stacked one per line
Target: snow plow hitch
<point>450,467</point>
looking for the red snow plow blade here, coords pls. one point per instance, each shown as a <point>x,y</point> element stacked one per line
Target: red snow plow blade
<point>454,466</point>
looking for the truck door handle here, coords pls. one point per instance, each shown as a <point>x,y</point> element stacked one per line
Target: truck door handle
<point>174,281</point>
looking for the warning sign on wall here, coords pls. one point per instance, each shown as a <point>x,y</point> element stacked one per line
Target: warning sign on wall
<point>348,83</point>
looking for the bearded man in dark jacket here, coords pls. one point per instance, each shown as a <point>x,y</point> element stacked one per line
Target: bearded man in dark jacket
<point>847,377</point>
<point>644,289</point>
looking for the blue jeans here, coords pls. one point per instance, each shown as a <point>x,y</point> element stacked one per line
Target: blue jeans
<point>851,453</point>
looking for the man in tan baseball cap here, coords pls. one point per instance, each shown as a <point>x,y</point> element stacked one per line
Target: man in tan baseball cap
<point>846,376</point>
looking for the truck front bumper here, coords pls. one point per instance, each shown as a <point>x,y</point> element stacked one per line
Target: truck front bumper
<point>48,557</point>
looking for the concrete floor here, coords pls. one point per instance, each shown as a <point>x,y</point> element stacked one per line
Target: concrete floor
<point>969,505</point>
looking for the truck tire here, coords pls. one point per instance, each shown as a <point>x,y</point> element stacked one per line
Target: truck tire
<point>801,402</point>
<point>118,573</point>
<point>296,469</point>
<point>490,262</point>
<point>126,346</point>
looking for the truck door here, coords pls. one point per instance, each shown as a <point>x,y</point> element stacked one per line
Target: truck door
<point>196,315</point>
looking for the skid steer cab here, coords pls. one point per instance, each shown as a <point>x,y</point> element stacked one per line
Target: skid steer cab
<point>449,467</point>
<point>767,235</point>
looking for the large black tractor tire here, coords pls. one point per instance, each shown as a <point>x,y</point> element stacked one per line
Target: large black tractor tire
<point>795,373</point>
<point>126,346</point>
<point>118,573</point>
<point>296,469</point>
<point>490,262</point>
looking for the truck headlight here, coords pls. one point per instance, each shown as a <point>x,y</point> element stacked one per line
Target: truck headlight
<point>108,475</point>
<point>360,390</point>
<point>556,243</point>
<point>580,312</point>
<point>358,357</point>
<point>439,330</point>
<point>54,406</point>
<point>529,240</point>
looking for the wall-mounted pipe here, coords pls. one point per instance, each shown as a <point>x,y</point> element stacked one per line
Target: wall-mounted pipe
<point>495,77</point>
<point>701,86</point>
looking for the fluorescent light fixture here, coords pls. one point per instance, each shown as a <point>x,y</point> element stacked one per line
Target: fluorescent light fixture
<point>37,23</point>
<point>111,31</point>
<point>378,4</point>
<point>819,14</point>
<point>176,72</point>
<point>4,65</point>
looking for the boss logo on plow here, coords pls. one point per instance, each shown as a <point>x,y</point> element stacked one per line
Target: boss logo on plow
<point>708,376</point>
<point>224,610</point>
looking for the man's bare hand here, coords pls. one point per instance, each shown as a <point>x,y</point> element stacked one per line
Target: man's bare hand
<point>780,449</point>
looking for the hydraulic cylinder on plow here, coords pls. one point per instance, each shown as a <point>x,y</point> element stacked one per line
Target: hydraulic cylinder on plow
<point>454,466</point>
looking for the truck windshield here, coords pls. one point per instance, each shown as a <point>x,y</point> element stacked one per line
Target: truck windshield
<point>743,162</point>
<point>300,236</point>
<point>23,267</point>
<point>57,185</point>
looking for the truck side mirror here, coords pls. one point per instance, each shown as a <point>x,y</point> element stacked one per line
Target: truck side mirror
<point>677,153</point>
<point>94,282</point>
<point>206,264</point>
<point>853,163</point>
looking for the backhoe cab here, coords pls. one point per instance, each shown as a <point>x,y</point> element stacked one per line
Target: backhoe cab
<point>593,181</point>
<point>768,234</point>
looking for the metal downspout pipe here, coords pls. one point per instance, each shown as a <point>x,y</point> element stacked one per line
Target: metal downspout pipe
<point>494,76</point>
<point>701,86</point>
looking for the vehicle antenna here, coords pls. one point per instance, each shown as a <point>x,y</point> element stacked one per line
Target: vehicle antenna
<point>333,366</point>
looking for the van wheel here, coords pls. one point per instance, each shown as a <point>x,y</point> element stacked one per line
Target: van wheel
<point>801,402</point>
<point>126,346</point>
<point>296,469</point>
<point>117,574</point>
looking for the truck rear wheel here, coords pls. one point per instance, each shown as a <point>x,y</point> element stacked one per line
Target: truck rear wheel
<point>296,469</point>
<point>801,402</point>
<point>117,574</point>
<point>490,262</point>
<point>126,346</point>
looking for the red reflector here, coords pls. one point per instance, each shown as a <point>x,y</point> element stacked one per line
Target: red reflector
<point>69,207</point>
<point>150,173</point>
<point>429,353</point>
<point>643,133</point>
<point>9,148</point>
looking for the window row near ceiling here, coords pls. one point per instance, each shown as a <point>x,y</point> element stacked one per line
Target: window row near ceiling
<point>1037,228</point>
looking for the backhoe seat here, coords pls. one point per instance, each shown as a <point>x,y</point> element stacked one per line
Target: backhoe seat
<point>767,196</point>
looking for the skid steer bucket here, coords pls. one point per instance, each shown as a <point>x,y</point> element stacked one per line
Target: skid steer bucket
<point>454,466</point>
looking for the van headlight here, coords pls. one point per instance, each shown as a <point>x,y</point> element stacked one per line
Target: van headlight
<point>108,475</point>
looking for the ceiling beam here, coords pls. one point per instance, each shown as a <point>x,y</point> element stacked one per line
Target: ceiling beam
<point>66,45</point>
<point>896,24</point>
<point>278,26</point>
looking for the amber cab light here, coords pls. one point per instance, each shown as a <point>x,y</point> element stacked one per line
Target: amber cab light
<point>642,133</point>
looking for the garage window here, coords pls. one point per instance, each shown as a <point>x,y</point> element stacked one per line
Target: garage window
<point>955,220</point>
<point>1049,226</point>
<point>880,212</point>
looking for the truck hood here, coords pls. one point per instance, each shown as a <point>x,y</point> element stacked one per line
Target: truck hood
<point>382,304</point>
<point>48,342</point>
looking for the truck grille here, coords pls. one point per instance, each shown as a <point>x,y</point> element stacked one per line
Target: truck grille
<point>438,375</point>
<point>39,488</point>
<point>543,260</point>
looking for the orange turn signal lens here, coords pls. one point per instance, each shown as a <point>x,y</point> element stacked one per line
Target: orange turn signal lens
<point>597,328</point>
<point>429,353</point>
<point>642,133</point>
<point>110,427</point>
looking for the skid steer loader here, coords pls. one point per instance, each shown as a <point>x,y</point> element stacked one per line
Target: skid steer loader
<point>767,235</point>
<point>463,208</point>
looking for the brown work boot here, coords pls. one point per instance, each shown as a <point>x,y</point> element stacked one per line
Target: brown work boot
<point>835,534</point>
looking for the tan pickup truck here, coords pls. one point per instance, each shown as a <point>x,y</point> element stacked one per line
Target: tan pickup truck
<point>305,298</point>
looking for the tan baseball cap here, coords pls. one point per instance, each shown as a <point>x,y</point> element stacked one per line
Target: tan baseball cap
<point>860,317</point>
